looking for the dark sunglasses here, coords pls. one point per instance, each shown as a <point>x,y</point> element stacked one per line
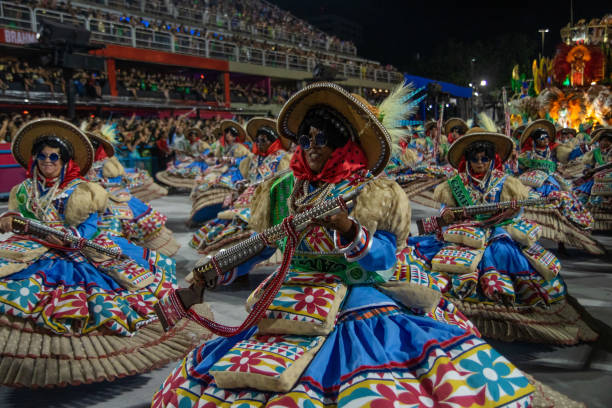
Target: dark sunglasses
<point>306,142</point>
<point>483,159</point>
<point>53,157</point>
<point>542,137</point>
<point>261,140</point>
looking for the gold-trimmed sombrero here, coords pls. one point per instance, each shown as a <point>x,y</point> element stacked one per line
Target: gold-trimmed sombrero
<point>242,135</point>
<point>503,144</point>
<point>108,147</point>
<point>372,135</point>
<point>596,134</point>
<point>543,124</point>
<point>83,151</point>
<point>568,130</point>
<point>452,122</point>
<point>254,124</point>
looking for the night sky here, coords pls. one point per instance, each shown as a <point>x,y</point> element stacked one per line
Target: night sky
<point>399,32</point>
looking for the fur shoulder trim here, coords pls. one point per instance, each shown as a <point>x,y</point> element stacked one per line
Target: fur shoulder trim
<point>12,202</point>
<point>86,199</point>
<point>409,157</point>
<point>285,161</point>
<point>112,168</point>
<point>260,207</point>
<point>563,151</point>
<point>383,205</point>
<point>444,195</point>
<point>245,166</point>
<point>241,150</point>
<point>514,190</point>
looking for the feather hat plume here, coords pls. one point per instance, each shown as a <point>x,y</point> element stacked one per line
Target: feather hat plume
<point>486,122</point>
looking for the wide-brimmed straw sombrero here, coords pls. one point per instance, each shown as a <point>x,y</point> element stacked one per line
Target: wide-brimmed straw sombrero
<point>83,151</point>
<point>503,144</point>
<point>227,123</point>
<point>256,123</point>
<point>430,124</point>
<point>108,147</point>
<point>543,124</point>
<point>568,130</point>
<point>453,122</point>
<point>596,134</point>
<point>368,131</point>
<point>196,130</point>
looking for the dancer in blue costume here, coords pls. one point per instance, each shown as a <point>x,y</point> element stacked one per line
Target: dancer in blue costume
<point>497,273</point>
<point>72,316</point>
<point>345,328</point>
<point>193,155</point>
<point>127,216</point>
<point>596,192</point>
<point>217,184</point>
<point>567,221</point>
<point>269,157</point>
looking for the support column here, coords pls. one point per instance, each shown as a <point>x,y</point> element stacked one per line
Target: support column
<point>111,74</point>
<point>226,85</point>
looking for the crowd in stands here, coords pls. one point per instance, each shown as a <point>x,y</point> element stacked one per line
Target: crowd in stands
<point>247,24</point>
<point>21,75</point>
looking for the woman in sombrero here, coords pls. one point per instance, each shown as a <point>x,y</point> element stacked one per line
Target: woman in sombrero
<point>216,185</point>
<point>126,215</point>
<point>498,275</point>
<point>596,192</point>
<point>345,328</point>
<point>565,220</point>
<point>71,315</point>
<point>192,159</point>
<point>268,157</point>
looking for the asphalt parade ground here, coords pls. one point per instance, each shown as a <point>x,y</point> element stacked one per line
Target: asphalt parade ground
<point>583,372</point>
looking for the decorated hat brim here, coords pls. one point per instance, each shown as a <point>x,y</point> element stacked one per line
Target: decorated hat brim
<point>503,146</point>
<point>242,135</point>
<point>108,147</point>
<point>26,136</point>
<point>596,134</point>
<point>196,130</point>
<point>452,122</point>
<point>371,134</point>
<point>539,124</point>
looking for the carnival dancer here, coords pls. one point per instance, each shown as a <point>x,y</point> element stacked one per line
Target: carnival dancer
<point>217,183</point>
<point>498,275</point>
<point>454,128</point>
<point>138,181</point>
<point>332,335</point>
<point>192,158</point>
<point>69,314</point>
<point>125,215</point>
<point>268,158</point>
<point>566,221</point>
<point>594,189</point>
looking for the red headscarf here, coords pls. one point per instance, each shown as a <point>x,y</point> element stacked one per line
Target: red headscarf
<point>71,172</point>
<point>343,162</point>
<point>497,165</point>
<point>273,148</point>
<point>100,153</point>
<point>528,145</point>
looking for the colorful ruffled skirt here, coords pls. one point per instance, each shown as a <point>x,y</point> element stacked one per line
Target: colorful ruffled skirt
<point>378,354</point>
<point>500,290</point>
<point>68,320</point>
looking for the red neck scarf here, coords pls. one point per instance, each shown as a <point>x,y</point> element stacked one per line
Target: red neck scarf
<point>71,172</point>
<point>497,165</point>
<point>528,145</point>
<point>273,148</point>
<point>343,162</point>
<point>100,154</point>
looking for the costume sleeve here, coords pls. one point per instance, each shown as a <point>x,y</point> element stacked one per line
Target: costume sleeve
<point>375,254</point>
<point>89,227</point>
<point>247,266</point>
